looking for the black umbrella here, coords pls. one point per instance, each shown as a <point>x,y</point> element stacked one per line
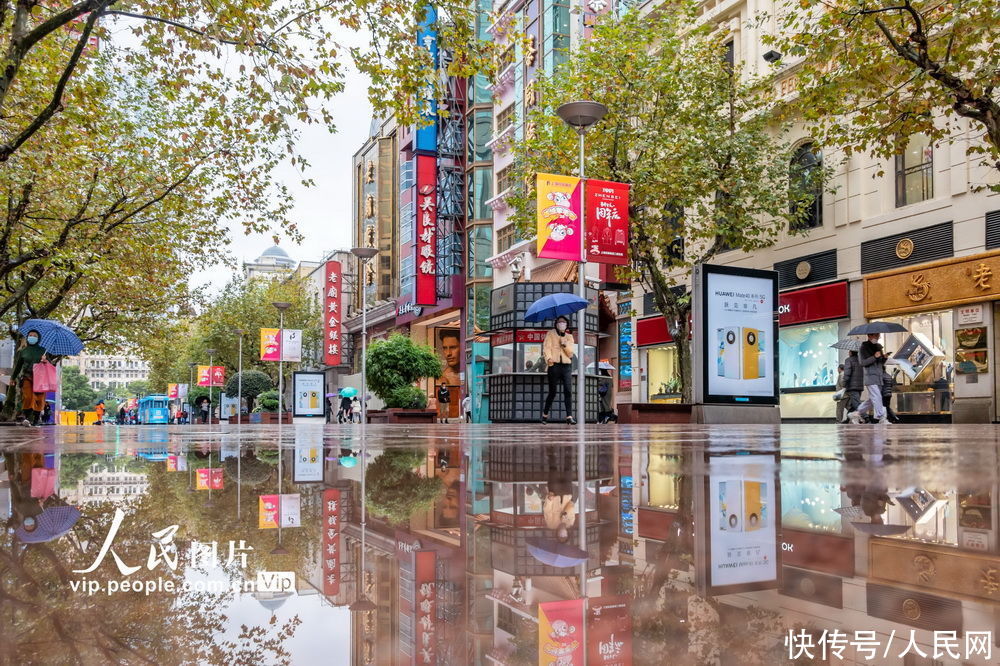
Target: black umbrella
<point>877,327</point>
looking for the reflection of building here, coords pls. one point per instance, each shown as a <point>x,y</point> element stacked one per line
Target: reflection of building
<point>109,371</point>
<point>273,262</point>
<point>106,484</point>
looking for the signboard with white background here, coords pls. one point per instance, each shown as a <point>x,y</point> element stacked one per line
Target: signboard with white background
<point>308,389</point>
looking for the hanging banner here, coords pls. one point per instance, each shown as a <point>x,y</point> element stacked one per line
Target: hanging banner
<point>291,345</point>
<point>607,221</point>
<point>425,247</point>
<point>214,375</point>
<point>267,516</point>
<point>558,217</point>
<point>333,301</point>
<point>609,632</point>
<point>290,510</point>
<point>209,477</point>
<point>425,605</point>
<point>270,344</point>
<point>331,542</point>
<point>182,463</point>
<point>171,463</point>
<point>182,391</point>
<point>560,633</point>
<point>172,392</point>
<point>203,479</point>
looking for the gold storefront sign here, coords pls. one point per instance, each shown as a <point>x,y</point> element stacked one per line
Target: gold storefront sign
<point>904,248</point>
<point>803,269</point>
<point>941,568</point>
<point>934,285</point>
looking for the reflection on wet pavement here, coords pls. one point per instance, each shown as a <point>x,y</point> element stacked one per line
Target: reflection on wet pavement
<point>713,545</point>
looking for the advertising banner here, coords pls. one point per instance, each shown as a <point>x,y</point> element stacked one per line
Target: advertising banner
<point>182,391</point>
<point>558,222</point>
<point>267,516</point>
<point>308,467</point>
<point>609,632</point>
<point>172,391</point>
<point>738,333</point>
<point>203,479</point>
<point>171,463</point>
<point>331,542</point>
<point>607,222</point>
<point>560,633</point>
<point>425,246</point>
<point>625,356</point>
<point>290,510</point>
<point>270,344</point>
<point>214,375</point>
<point>309,390</point>
<point>291,345</point>
<point>743,545</point>
<point>426,139</point>
<point>333,302</point>
<point>230,407</point>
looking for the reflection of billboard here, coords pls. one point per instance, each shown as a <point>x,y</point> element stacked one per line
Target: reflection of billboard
<point>742,534</point>
<point>736,331</point>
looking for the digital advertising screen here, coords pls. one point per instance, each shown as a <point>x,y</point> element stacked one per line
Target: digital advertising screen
<point>308,389</point>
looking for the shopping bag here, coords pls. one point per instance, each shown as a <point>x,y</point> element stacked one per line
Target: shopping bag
<point>839,395</point>
<point>43,482</point>
<point>44,377</point>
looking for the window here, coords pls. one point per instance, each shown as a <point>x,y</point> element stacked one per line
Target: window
<point>505,238</point>
<point>505,118</point>
<point>806,187</point>
<point>481,185</point>
<point>480,133</point>
<point>480,247</point>
<point>915,171</point>
<point>806,358</point>
<point>505,179</point>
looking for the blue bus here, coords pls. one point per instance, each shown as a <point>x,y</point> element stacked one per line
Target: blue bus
<point>154,409</point>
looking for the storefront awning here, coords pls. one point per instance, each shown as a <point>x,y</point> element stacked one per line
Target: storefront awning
<point>507,257</point>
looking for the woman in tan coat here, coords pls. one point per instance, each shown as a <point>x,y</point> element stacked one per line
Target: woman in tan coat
<point>558,351</point>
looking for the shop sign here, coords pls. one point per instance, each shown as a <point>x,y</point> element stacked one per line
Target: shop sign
<point>970,314</point>
<point>331,542</point>
<point>826,553</point>
<point>652,331</point>
<point>609,632</point>
<point>502,300</point>
<point>424,607</point>
<point>333,302</point>
<point>531,336</point>
<point>558,221</point>
<point>934,285</point>
<point>625,355</point>
<point>406,544</point>
<point>825,302</point>
<point>941,568</point>
<point>606,221</point>
<point>426,134</point>
<point>499,339</point>
<point>560,632</point>
<point>624,308</point>
<point>625,485</point>
<point>426,245</point>
<point>409,308</point>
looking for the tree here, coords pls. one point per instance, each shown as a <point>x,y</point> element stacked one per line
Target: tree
<point>251,383</point>
<point>395,492</point>
<point>872,74</point>
<point>708,166</point>
<point>76,391</point>
<point>394,365</point>
<point>137,387</point>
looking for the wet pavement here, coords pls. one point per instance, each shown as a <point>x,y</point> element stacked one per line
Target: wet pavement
<point>802,544</point>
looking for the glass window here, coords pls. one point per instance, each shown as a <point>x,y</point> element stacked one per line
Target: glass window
<point>482,191</point>
<point>662,488</point>
<point>480,248</point>
<point>503,358</point>
<point>505,238</point>
<point>930,391</point>
<point>811,505</point>
<point>482,320</point>
<point>480,133</point>
<point>505,118</point>
<point>805,179</point>
<point>406,276</point>
<point>481,94</point>
<point>531,357</point>
<point>915,171</point>
<point>805,357</point>
<point>505,178</point>
<point>661,366</point>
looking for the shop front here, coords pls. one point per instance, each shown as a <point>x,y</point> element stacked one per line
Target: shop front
<point>659,377</point>
<point>810,320</point>
<point>942,365</point>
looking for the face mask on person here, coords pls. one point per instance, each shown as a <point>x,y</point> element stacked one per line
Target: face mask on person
<point>32,339</point>
<point>561,326</point>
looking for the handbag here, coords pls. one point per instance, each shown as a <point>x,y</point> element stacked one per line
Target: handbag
<point>43,377</point>
<point>43,482</point>
<point>839,395</point>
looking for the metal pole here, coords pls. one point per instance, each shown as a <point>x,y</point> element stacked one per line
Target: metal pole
<point>364,357</point>
<point>281,367</point>
<point>239,385</point>
<point>190,388</point>
<point>211,383</point>
<point>581,398</point>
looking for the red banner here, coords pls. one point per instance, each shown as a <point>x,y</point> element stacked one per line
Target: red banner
<point>426,231</point>
<point>607,222</point>
<point>333,301</point>
<point>211,375</point>
<point>560,632</point>
<point>209,477</point>
<point>331,542</point>
<point>609,632</point>
<point>424,607</point>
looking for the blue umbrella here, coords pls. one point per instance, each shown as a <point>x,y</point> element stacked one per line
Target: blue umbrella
<point>877,327</point>
<point>555,553</point>
<point>57,339</point>
<point>553,305</point>
<point>50,524</point>
<point>349,392</point>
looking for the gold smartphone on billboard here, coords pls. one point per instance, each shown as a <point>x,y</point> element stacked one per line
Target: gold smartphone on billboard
<point>753,353</point>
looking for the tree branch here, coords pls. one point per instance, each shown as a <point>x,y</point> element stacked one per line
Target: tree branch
<point>198,31</point>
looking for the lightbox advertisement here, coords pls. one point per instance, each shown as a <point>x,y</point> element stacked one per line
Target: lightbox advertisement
<point>739,334</point>
<point>308,390</point>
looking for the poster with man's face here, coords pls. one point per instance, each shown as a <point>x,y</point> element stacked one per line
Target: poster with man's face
<point>449,350</point>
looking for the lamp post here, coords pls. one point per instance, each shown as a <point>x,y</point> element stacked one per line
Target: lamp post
<point>190,389</point>
<point>211,383</point>
<point>239,379</point>
<point>281,306</point>
<point>581,116</point>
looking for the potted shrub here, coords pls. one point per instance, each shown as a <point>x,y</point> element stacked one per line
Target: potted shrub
<point>393,367</point>
<point>254,383</point>
<point>266,410</point>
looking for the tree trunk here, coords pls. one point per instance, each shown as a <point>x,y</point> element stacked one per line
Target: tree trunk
<point>684,369</point>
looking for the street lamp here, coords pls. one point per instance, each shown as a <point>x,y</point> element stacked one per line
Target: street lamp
<point>239,379</point>
<point>190,389</point>
<point>281,306</point>
<point>211,383</point>
<point>364,255</point>
<point>581,116</point>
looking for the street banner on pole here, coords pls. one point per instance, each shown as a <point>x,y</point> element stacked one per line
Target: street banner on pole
<point>172,392</point>
<point>425,247</point>
<point>558,221</point>
<point>267,518</point>
<point>333,301</point>
<point>270,344</point>
<point>560,632</point>
<point>204,375</point>
<point>607,221</point>
<point>214,375</point>
<point>171,463</point>
<point>291,345</point>
<point>203,479</point>
<point>182,391</point>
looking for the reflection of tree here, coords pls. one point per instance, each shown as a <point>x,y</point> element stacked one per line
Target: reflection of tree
<point>395,491</point>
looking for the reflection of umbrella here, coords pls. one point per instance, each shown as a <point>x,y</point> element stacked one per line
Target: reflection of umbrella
<point>348,392</point>
<point>559,510</point>
<point>878,529</point>
<point>50,524</point>
<point>331,395</point>
<point>553,305</point>
<point>554,553</point>
<point>348,461</point>
<point>57,339</point>
<point>847,344</point>
<point>604,490</point>
<point>603,365</point>
<point>877,327</point>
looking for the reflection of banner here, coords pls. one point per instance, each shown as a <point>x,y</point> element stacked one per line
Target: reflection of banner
<point>331,542</point>
<point>308,389</point>
<point>171,463</point>
<point>290,510</point>
<point>560,632</point>
<point>291,345</point>
<point>267,517</point>
<point>607,222</point>
<point>209,477</point>
<point>270,345</point>
<point>558,223</point>
<point>333,301</point>
<point>609,632</point>
<point>425,604</point>
<point>425,247</point>
<point>172,392</point>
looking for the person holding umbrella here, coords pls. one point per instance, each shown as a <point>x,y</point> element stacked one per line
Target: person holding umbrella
<point>872,359</point>
<point>558,351</point>
<point>28,354</point>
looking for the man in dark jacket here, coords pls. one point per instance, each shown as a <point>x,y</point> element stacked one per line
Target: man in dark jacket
<point>872,359</point>
<point>853,382</point>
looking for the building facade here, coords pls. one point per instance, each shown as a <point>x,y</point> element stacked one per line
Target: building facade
<point>109,371</point>
<point>272,262</point>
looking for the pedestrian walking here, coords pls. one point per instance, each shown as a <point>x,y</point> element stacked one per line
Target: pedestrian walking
<point>606,395</point>
<point>888,384</point>
<point>872,357</point>
<point>355,414</point>
<point>206,406</point>
<point>444,403</point>
<point>467,408</point>
<point>344,413</point>
<point>853,383</point>
<point>558,351</point>
<point>99,408</point>
<point>841,394</point>
<point>29,354</point>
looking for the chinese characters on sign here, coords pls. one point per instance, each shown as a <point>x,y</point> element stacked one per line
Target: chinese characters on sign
<point>560,632</point>
<point>868,645</point>
<point>558,222</point>
<point>426,231</point>
<point>333,301</point>
<point>424,601</point>
<point>426,134</point>
<point>209,478</point>
<point>331,542</point>
<point>609,632</point>
<point>606,222</point>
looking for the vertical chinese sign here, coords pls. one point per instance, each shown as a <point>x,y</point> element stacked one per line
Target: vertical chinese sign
<point>426,134</point>
<point>331,542</point>
<point>558,222</point>
<point>426,243</point>
<point>607,222</point>
<point>625,355</point>
<point>333,301</point>
<point>424,603</point>
<point>560,632</point>
<point>609,632</point>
